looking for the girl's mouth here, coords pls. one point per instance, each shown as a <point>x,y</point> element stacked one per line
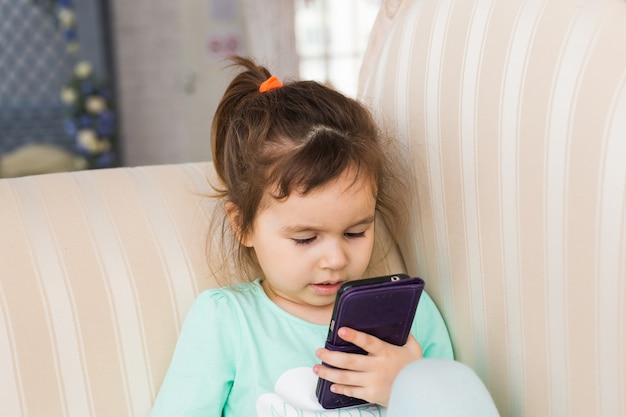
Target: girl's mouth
<point>326,288</point>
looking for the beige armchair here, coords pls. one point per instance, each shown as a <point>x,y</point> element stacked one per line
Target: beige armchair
<point>513,115</point>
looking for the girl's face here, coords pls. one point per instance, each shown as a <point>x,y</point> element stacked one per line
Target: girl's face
<point>307,246</point>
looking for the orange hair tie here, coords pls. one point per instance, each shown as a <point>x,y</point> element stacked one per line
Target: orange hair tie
<point>270,84</point>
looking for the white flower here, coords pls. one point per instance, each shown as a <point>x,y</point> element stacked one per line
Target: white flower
<point>67,18</point>
<point>68,95</point>
<point>95,104</point>
<point>80,163</point>
<point>104,145</point>
<point>72,47</point>
<point>87,139</point>
<point>82,69</point>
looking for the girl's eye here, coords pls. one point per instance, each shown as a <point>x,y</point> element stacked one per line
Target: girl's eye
<point>304,241</point>
<point>354,235</point>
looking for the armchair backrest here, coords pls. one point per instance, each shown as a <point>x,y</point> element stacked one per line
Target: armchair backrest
<point>97,272</point>
<point>513,114</point>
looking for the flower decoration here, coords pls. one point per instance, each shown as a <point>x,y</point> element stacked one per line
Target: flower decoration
<point>90,119</point>
<point>65,18</point>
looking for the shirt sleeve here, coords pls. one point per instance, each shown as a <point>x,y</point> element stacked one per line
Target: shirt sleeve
<point>202,369</point>
<point>430,330</point>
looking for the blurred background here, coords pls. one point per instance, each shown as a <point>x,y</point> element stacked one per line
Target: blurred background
<point>87,84</point>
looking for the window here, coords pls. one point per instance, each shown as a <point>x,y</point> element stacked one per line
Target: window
<point>331,38</point>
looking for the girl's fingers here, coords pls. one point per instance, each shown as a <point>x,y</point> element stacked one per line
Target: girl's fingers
<point>350,383</point>
<point>367,342</point>
<point>342,360</point>
<point>338,376</point>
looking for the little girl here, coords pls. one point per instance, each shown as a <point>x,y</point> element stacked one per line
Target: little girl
<point>305,177</point>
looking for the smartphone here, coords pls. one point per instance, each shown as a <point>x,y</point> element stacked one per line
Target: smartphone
<point>383,307</point>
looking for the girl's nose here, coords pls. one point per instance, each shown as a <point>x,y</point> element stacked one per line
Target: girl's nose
<point>335,257</point>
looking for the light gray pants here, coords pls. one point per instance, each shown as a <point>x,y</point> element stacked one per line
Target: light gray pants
<point>439,388</point>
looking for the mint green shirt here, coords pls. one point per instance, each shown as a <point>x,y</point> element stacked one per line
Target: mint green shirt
<point>239,354</point>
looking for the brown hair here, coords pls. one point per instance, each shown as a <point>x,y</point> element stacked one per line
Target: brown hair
<point>294,138</point>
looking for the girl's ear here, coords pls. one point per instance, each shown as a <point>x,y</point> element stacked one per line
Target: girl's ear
<point>234,218</point>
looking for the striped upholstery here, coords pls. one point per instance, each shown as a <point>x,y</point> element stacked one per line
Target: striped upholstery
<point>514,117</point>
<point>97,272</point>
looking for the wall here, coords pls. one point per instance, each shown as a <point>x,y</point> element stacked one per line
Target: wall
<point>148,68</point>
<point>169,85</point>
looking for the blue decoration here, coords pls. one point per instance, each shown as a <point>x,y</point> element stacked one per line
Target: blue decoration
<point>70,127</point>
<point>91,118</point>
<point>70,34</point>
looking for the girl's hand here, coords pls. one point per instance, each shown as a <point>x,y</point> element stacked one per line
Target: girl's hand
<point>368,377</point>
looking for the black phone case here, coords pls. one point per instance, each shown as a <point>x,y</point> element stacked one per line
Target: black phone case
<point>383,307</point>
